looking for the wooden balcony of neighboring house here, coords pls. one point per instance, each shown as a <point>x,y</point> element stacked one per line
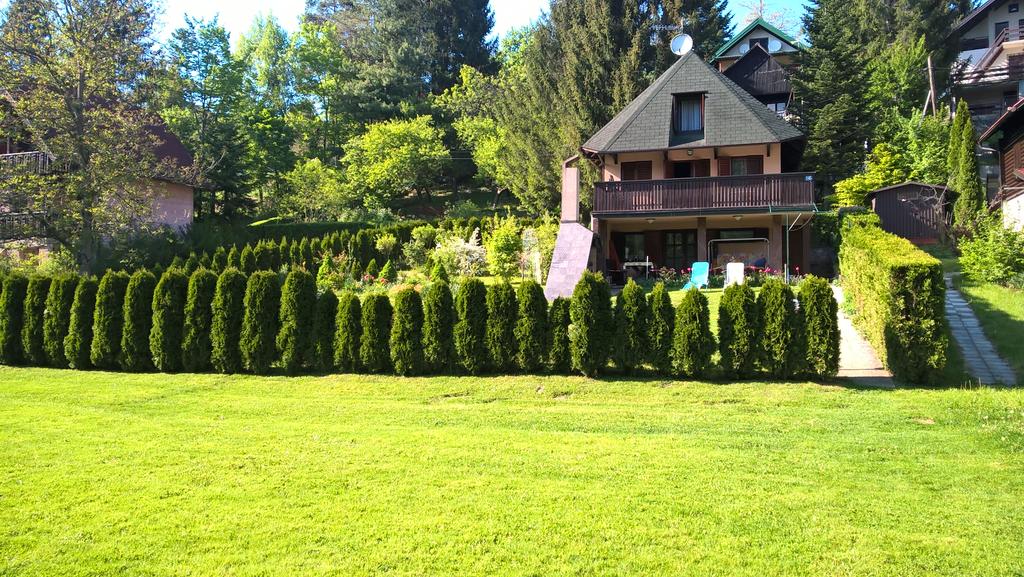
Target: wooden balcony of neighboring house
<point>705,195</point>
<point>985,71</point>
<point>20,225</point>
<point>37,162</point>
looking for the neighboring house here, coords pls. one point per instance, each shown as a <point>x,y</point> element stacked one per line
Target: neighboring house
<point>759,60</point>
<point>1007,135</point>
<point>693,169</point>
<point>914,210</point>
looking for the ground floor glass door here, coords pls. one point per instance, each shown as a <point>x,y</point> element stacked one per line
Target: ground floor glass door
<point>680,248</point>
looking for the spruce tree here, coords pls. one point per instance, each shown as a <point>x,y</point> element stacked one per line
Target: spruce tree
<point>531,330</point>
<point>662,328</point>
<point>12,314</point>
<point>821,327</point>
<point>559,357</point>
<point>781,330</point>
<point>348,333</point>
<point>632,323</point>
<point>323,331</point>
<point>58,318</point>
<point>32,331</point>
<point>298,307</point>
<point>226,324</point>
<point>438,328</point>
<point>693,344</point>
<point>501,327</point>
<point>591,324</point>
<point>196,345</point>
<point>738,333</point>
<point>166,337</point>
<point>374,349</point>
<point>260,322</point>
<point>108,320</point>
<point>471,326</point>
<point>79,339</point>
<point>136,355</point>
<point>407,333</point>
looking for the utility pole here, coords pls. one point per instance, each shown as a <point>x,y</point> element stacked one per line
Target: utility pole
<point>931,83</point>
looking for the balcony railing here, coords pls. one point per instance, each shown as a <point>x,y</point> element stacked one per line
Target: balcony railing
<point>722,193</point>
<point>20,225</point>
<point>37,162</point>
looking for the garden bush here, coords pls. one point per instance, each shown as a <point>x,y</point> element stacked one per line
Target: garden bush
<point>374,349</point>
<point>191,264</point>
<point>438,327</point>
<point>693,344</point>
<point>306,254</point>
<point>196,344</point>
<point>501,327</point>
<point>662,327</point>
<point>226,324</point>
<point>295,255</point>
<point>389,273</point>
<point>167,335</point>
<point>898,296</point>
<point>781,330</point>
<point>632,346</point>
<point>248,260</point>
<point>821,327</point>
<point>220,260</point>
<point>559,356</point>
<point>138,321</point>
<point>58,318</point>
<point>407,333</point>
<point>371,269</point>
<point>261,256</point>
<point>298,306</point>
<point>993,253</point>
<point>108,320</point>
<point>471,326</point>
<point>439,273</point>
<point>738,333</point>
<point>531,332</point>
<point>12,314</point>
<point>234,258</point>
<point>348,333</point>
<point>590,329</point>
<point>323,332</point>
<point>260,323</point>
<point>78,342</point>
<point>32,329</point>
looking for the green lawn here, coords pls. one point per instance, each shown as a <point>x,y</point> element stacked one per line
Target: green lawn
<point>1001,312</point>
<point>112,474</point>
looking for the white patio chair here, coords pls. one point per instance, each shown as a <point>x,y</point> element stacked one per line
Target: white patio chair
<point>734,273</point>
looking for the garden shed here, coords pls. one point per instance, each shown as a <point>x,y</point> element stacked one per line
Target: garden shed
<point>913,210</point>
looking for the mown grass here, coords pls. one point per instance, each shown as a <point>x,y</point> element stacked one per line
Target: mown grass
<point>105,473</point>
<point>1001,313</point>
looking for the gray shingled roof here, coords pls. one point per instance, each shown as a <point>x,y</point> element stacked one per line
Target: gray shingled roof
<point>731,115</point>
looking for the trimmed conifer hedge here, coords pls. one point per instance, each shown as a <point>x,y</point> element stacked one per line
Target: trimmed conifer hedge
<point>821,327</point>
<point>108,320</point>
<point>781,329</point>
<point>348,333</point>
<point>662,327</point>
<point>138,321</point>
<point>166,336</point>
<point>738,338</point>
<point>693,344</point>
<point>260,322</point>
<point>247,261</point>
<point>323,332</point>
<point>374,346</point>
<point>438,327</point>
<point>501,326</point>
<point>407,333</point>
<point>12,314</point>
<point>226,324</point>
<point>298,305</point>
<point>591,322</point>
<point>195,344</point>
<point>32,324</point>
<point>559,359</point>
<point>898,295</point>
<point>58,318</point>
<point>531,332</point>
<point>471,326</point>
<point>78,342</point>
<point>632,345</point>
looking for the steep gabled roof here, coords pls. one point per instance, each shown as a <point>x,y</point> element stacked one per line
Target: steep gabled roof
<point>758,22</point>
<point>731,115</point>
<point>759,73</point>
<point>976,14</point>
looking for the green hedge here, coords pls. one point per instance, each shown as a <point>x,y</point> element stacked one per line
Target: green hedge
<point>632,319</point>
<point>32,328</point>
<point>438,328</point>
<point>196,345</point>
<point>821,327</point>
<point>79,340</point>
<point>12,314</point>
<point>348,333</point>
<point>738,332</point>
<point>407,333</point>
<point>298,306</point>
<point>782,349</point>
<point>501,327</point>
<point>531,332</point>
<point>898,296</point>
<point>662,326</point>
<point>559,357</point>
<point>323,332</point>
<point>591,325</point>
<point>136,354</point>
<point>260,322</point>
<point>374,349</point>
<point>57,321</point>
<point>167,334</point>
<point>471,326</point>
<point>693,344</point>
<point>226,324</point>
<point>108,320</point>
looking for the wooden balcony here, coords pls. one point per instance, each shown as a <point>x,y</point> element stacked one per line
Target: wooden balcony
<point>37,162</point>
<point>709,194</point>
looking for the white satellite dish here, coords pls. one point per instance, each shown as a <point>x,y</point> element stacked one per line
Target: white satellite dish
<point>744,48</point>
<point>681,44</point>
<point>774,45</point>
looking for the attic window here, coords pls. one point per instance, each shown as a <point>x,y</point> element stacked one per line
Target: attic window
<point>755,41</point>
<point>688,113</point>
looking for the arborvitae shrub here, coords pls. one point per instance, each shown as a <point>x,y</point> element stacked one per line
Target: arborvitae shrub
<point>165,338</point>
<point>284,255</point>
<point>58,318</point>
<point>781,352</point>
<point>821,327</point>
<point>226,325</point>
<point>32,331</point>
<point>138,321</point>
<point>12,314</point>
<point>108,320</point>
<point>315,252</point>
<point>662,328</point>
<point>471,326</point>
<point>362,245</point>
<point>219,261</point>
<point>590,329</point>
<point>298,306</point>
<point>260,322</point>
<point>323,331</point>
<point>348,333</point>
<point>306,254</point>
<point>295,254</point>
<point>737,331</point>
<point>273,256</point>
<point>196,344</point>
<point>261,254</point>
<point>438,327</point>
<point>531,327</point>
<point>407,333</point>
<point>439,273</point>
<point>177,262</point>
<point>191,263</point>
<point>234,258</point>
<point>371,269</point>
<point>501,326</point>
<point>631,326</point>
<point>248,260</point>
<point>374,347</point>
<point>354,270</point>
<point>389,273</point>
<point>559,357</point>
<point>79,337</point>
<point>693,343</point>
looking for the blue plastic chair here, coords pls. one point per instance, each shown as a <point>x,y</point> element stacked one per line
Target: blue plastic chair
<point>698,276</point>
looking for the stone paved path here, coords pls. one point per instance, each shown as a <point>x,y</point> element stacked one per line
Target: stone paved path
<point>857,359</point>
<point>980,357</point>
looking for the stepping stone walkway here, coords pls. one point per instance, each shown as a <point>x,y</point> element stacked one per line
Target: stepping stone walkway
<point>980,357</point>
<point>857,359</point>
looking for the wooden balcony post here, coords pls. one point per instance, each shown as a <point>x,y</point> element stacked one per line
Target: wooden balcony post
<point>702,239</point>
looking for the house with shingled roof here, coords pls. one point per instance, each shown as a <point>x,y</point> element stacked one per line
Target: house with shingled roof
<point>694,169</point>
